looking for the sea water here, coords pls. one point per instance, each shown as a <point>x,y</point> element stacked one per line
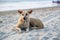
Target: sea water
<point>24,4</point>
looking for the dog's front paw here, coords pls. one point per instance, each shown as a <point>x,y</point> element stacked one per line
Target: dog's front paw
<point>18,30</point>
<point>27,30</point>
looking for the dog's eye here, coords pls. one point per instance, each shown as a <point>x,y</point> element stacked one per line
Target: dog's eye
<point>23,14</point>
<point>26,14</point>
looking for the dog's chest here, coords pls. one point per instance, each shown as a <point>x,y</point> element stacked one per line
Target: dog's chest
<point>26,24</point>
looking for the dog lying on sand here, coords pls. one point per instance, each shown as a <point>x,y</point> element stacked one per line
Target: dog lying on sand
<point>25,22</point>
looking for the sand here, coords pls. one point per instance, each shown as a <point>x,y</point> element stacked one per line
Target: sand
<point>49,16</point>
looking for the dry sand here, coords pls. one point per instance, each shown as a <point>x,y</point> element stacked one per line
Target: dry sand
<point>49,16</point>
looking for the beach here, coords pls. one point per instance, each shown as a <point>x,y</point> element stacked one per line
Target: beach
<point>50,16</point>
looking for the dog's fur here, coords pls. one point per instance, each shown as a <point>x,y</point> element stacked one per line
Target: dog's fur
<point>36,23</point>
<point>25,21</point>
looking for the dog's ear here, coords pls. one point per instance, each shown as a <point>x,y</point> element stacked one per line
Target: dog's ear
<point>19,11</point>
<point>30,11</point>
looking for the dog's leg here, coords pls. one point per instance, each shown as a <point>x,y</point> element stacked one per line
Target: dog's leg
<point>27,28</point>
<point>18,29</point>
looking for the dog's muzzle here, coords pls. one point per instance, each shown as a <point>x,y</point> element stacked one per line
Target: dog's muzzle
<point>25,18</point>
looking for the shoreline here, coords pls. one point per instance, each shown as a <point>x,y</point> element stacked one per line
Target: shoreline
<point>27,5</point>
<point>42,10</point>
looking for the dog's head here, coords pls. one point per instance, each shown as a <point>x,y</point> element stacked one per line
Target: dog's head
<point>25,14</point>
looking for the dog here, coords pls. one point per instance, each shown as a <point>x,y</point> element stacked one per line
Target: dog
<point>25,22</point>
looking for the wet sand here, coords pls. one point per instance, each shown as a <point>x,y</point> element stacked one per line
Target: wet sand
<point>49,16</point>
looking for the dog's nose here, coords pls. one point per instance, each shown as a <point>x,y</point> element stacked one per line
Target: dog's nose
<point>24,18</point>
